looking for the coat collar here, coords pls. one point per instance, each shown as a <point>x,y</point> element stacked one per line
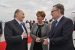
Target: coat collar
<point>17,25</point>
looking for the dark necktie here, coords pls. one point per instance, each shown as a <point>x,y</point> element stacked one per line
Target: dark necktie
<point>54,25</point>
<point>21,24</point>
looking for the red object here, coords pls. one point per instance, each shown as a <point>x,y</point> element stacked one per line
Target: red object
<point>29,39</point>
<point>3,44</point>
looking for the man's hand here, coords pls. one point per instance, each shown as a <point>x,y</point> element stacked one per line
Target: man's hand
<point>24,35</point>
<point>45,42</point>
<point>38,39</point>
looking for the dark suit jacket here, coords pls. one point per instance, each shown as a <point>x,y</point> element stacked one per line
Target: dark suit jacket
<point>12,32</point>
<point>61,37</point>
<point>74,25</point>
<point>46,22</point>
<point>0,28</point>
<point>30,25</point>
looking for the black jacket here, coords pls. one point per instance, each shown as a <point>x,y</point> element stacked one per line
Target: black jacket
<point>61,37</point>
<point>12,32</point>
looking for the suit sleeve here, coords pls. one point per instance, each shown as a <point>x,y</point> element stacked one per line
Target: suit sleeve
<point>66,34</point>
<point>74,25</point>
<point>46,36</point>
<point>31,33</point>
<point>8,32</point>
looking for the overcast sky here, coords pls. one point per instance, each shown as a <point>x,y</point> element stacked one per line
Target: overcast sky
<point>30,7</point>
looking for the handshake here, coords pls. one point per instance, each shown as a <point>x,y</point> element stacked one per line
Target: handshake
<point>45,41</point>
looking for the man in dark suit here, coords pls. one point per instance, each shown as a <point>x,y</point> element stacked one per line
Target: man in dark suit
<point>30,24</point>
<point>0,29</point>
<point>60,36</point>
<point>46,21</point>
<point>16,33</point>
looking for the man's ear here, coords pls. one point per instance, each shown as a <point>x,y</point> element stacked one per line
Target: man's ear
<point>58,11</point>
<point>16,14</point>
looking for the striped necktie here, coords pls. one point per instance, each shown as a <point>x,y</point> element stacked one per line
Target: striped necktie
<point>21,24</point>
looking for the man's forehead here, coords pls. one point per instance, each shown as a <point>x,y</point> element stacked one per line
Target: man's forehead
<point>21,11</point>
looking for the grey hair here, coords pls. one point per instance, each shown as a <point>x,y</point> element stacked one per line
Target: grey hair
<point>17,11</point>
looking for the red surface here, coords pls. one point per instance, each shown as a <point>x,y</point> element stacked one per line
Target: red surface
<point>3,44</point>
<point>29,39</point>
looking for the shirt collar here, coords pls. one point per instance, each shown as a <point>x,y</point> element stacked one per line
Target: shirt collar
<point>59,18</point>
<point>18,21</point>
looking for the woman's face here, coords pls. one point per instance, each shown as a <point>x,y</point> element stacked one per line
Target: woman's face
<point>39,18</point>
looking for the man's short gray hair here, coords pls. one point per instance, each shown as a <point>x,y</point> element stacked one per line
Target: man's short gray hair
<point>17,11</point>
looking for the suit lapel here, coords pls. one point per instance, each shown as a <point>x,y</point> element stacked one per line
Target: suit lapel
<point>51,28</point>
<point>50,34</point>
<point>17,25</point>
<point>25,28</point>
<point>57,25</point>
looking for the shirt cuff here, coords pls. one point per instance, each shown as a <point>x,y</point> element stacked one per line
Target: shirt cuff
<point>22,37</point>
<point>48,40</point>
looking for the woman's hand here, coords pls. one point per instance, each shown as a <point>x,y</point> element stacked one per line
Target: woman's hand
<point>38,39</point>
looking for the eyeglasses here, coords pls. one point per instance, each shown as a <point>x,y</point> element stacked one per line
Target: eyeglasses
<point>53,11</point>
